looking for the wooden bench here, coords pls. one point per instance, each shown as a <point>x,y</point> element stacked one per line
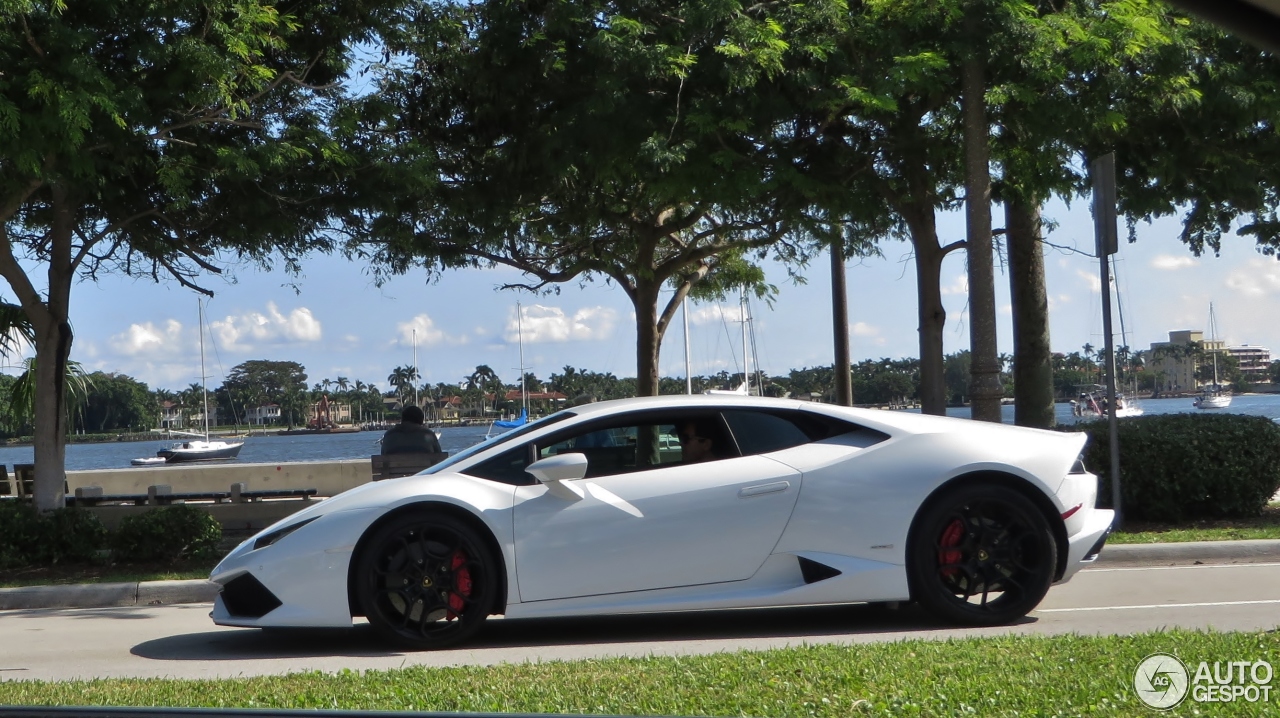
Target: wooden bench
<point>394,466</point>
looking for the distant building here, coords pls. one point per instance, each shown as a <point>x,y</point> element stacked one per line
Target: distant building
<point>172,416</point>
<point>1175,363</point>
<point>1255,362</point>
<point>265,414</point>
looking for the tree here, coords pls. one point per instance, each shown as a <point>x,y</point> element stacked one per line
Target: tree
<point>596,140</point>
<point>401,379</point>
<point>154,139</point>
<point>261,381</point>
<point>115,402</point>
<point>484,379</point>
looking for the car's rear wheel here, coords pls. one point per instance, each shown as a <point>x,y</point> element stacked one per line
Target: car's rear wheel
<point>426,580</point>
<point>981,555</point>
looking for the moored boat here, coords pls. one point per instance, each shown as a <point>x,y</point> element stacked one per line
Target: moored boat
<point>200,450</point>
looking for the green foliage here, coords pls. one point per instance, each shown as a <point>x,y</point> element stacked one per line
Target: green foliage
<point>258,382</point>
<point>21,533</point>
<point>595,141</point>
<point>60,536</point>
<point>1176,467</point>
<point>115,402</point>
<point>172,533</point>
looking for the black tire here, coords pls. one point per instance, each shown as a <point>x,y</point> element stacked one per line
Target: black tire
<point>426,580</point>
<point>981,555</point>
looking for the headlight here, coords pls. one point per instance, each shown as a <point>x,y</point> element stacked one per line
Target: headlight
<point>267,539</point>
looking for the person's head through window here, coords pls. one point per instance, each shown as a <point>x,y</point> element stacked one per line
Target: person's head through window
<point>412,415</point>
<point>697,441</point>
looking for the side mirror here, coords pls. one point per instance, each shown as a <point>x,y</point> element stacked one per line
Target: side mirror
<point>553,471</point>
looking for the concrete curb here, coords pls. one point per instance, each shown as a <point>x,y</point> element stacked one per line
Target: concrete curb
<point>159,593</point>
<point>105,595</point>
<point>1251,550</point>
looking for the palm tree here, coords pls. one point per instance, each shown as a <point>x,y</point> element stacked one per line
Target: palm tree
<point>402,379</point>
<point>484,378</point>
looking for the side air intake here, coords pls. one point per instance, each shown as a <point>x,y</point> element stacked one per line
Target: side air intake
<point>814,571</point>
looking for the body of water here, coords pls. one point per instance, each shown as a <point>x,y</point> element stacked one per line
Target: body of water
<point>361,445</point>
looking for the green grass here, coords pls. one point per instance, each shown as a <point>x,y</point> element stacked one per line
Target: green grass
<point>1266,526</point>
<point>122,573</point>
<point>1004,676</point>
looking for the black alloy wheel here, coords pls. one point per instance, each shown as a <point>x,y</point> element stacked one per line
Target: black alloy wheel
<point>981,555</point>
<point>426,580</point>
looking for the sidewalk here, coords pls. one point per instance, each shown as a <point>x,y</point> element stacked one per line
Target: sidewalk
<point>156,593</point>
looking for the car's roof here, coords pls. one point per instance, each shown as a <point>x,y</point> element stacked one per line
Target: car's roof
<point>682,401</point>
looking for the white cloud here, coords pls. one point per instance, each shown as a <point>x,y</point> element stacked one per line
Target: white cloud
<point>428,334</point>
<point>1260,279</point>
<point>246,331</point>
<point>715,314</point>
<point>1093,280</point>
<point>959,286</point>
<point>1171,262</point>
<point>870,334</point>
<point>1006,310</point>
<point>149,340</point>
<point>540,323</point>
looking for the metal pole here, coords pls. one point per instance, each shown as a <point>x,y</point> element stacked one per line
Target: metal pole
<point>1103,172</point>
<point>746,370</point>
<point>415,366</point>
<point>204,389</point>
<point>688,373</point>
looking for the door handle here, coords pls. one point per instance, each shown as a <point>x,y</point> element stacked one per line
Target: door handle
<point>763,489</point>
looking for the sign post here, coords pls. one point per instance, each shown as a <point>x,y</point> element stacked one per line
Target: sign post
<point>1102,173</point>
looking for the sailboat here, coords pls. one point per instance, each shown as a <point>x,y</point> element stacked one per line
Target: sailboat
<point>1213,397</point>
<point>506,425</point>
<point>743,389</point>
<point>202,449</point>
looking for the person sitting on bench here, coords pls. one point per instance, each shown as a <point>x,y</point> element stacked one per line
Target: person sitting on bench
<point>410,436</point>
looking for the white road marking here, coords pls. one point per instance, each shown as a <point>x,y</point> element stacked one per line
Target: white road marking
<point>1159,605</point>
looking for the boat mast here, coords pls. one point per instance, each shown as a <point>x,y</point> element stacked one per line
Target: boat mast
<point>746,368</point>
<point>204,389</point>
<point>1213,338</point>
<point>688,375</point>
<point>524,393</point>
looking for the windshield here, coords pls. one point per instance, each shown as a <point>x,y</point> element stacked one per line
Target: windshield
<point>499,439</point>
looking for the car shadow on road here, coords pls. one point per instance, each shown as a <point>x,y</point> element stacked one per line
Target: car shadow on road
<point>850,621</point>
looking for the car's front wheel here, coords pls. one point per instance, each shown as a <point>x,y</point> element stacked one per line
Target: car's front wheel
<point>426,580</point>
<point>981,555</point>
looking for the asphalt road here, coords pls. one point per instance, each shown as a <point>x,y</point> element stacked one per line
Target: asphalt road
<point>180,641</point>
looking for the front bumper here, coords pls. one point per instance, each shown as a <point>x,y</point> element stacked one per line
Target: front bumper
<point>299,581</point>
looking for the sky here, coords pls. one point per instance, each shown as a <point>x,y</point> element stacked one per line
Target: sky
<point>336,322</point>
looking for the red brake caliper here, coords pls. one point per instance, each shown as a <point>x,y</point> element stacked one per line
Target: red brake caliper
<point>950,537</point>
<point>461,583</point>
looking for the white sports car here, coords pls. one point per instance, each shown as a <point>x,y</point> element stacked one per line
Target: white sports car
<point>685,503</point>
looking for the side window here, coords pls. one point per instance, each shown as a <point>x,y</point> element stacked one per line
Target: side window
<point>760,433</point>
<point>507,467</point>
<point>612,450</point>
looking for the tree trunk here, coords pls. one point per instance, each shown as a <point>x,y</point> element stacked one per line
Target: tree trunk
<point>985,390</point>
<point>933,318</point>
<point>840,330</point>
<point>1032,357</point>
<point>648,340</point>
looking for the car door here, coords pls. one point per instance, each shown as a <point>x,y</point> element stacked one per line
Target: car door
<point>648,525</point>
